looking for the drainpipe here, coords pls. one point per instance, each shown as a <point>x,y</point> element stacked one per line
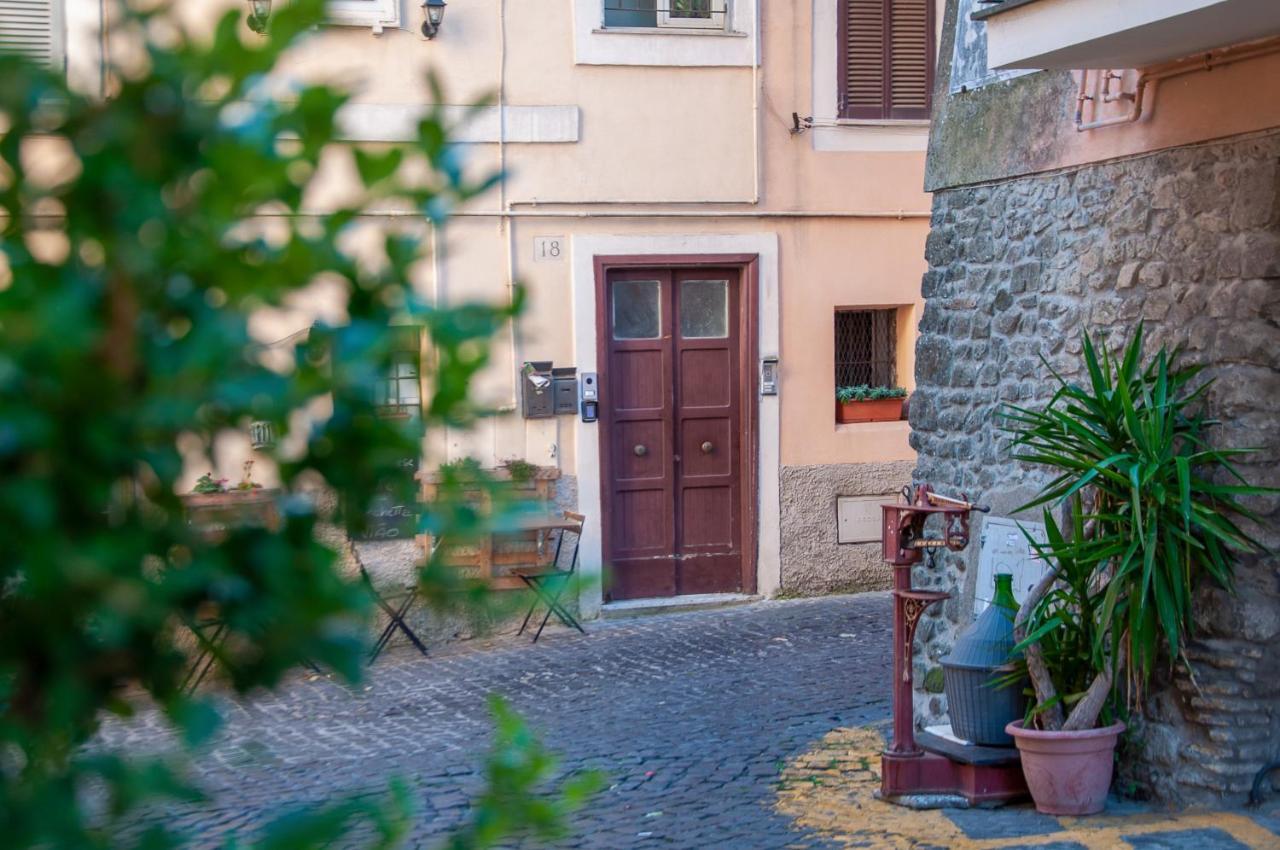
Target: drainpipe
<point>506,225</point>
<point>1205,62</point>
<point>756,157</point>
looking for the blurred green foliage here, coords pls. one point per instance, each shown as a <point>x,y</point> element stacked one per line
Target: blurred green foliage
<point>139,233</point>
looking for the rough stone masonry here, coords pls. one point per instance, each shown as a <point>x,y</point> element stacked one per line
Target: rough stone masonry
<point>1188,241</point>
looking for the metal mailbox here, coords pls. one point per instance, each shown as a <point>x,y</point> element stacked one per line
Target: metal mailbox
<point>564,386</point>
<point>537,395</point>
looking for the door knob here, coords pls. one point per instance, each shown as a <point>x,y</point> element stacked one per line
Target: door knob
<point>707,447</point>
<point>640,451</point>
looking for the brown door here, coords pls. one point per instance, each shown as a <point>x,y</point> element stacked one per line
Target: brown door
<point>672,431</point>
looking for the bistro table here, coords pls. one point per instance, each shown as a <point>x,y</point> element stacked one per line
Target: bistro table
<point>519,541</point>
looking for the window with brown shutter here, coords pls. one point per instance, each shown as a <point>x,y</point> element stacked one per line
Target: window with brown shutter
<point>886,58</point>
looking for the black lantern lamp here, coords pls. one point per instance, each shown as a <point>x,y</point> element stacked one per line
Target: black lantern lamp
<point>433,11</point>
<point>259,12</point>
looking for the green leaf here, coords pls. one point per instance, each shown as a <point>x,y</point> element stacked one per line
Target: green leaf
<point>376,167</point>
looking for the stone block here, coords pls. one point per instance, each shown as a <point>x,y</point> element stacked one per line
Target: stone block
<point>1260,255</point>
<point>1128,274</point>
<point>1152,275</point>
<point>1025,276</point>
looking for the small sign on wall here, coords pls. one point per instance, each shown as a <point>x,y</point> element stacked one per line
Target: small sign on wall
<point>858,518</point>
<point>549,249</point>
<point>1004,548</point>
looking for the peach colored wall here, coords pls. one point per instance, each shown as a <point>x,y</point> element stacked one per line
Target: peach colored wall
<point>828,265</point>
<point>1195,107</point>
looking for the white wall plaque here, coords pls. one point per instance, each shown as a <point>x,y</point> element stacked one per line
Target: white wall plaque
<point>549,249</point>
<point>858,518</point>
<point>1004,548</point>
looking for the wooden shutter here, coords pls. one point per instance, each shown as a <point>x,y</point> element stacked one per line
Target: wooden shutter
<point>886,58</point>
<point>910,58</point>
<point>32,28</point>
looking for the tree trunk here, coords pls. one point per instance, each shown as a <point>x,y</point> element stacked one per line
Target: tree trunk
<point>1051,718</point>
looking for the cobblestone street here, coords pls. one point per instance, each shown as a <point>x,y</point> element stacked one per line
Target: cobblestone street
<point>692,716</point>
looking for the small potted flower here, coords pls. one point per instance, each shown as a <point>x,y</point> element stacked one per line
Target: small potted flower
<point>865,403</point>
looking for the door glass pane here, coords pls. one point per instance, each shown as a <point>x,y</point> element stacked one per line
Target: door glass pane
<point>704,309</point>
<point>637,309</point>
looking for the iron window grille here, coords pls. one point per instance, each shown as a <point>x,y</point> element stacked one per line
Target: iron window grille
<point>866,348</point>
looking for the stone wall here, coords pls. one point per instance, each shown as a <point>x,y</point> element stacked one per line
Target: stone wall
<point>1187,240</point>
<point>813,562</point>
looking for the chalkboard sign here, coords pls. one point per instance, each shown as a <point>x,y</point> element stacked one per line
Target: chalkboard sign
<point>387,518</point>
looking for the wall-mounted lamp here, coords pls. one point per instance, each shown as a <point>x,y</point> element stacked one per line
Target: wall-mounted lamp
<point>433,16</point>
<point>259,12</point>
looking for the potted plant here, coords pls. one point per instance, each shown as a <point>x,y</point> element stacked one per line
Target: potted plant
<point>863,403</point>
<point>1148,522</point>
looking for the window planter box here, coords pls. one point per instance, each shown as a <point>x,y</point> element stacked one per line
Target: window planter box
<point>877,410</point>
<point>213,513</point>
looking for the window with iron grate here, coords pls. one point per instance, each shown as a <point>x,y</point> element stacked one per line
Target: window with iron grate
<point>866,348</point>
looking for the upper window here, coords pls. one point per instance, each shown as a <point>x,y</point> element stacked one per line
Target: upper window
<point>376,14</point>
<point>677,14</point>
<point>886,58</point>
<point>398,394</point>
<point>34,29</point>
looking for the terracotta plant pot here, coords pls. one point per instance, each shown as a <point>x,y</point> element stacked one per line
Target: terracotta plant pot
<point>1068,773</point>
<point>879,410</point>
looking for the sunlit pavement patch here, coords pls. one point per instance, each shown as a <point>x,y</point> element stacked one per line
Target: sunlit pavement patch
<point>830,790</point>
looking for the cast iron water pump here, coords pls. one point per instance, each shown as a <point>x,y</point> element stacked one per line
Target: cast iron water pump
<point>935,765</point>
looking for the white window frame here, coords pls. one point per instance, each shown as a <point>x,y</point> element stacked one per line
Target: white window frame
<point>732,46</point>
<point>717,20</point>
<point>375,14</point>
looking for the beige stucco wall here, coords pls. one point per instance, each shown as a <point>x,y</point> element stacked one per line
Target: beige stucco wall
<point>652,153</point>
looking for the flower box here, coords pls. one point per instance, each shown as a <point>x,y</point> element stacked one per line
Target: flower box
<point>215,512</point>
<point>871,410</point>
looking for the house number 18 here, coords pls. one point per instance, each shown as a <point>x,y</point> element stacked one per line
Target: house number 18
<point>548,248</point>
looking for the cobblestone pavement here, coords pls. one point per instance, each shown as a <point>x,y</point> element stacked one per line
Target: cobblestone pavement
<point>831,790</point>
<point>692,716</point>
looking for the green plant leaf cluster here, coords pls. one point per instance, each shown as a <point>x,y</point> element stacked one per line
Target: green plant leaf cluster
<point>865,392</point>
<point>128,274</point>
<point>1157,509</point>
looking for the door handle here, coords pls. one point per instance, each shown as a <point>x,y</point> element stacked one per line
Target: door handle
<point>640,451</point>
<point>707,447</point>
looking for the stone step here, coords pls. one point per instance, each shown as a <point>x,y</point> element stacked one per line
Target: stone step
<point>674,604</point>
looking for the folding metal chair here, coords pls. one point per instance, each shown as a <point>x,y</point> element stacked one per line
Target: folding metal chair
<point>395,612</point>
<point>209,632</point>
<point>549,582</point>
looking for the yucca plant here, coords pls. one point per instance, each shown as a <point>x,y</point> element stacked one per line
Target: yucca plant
<point>1156,512</point>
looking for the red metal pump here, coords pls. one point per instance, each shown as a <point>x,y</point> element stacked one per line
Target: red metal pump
<point>932,766</point>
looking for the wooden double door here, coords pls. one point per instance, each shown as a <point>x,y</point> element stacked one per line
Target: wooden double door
<point>673,433</point>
